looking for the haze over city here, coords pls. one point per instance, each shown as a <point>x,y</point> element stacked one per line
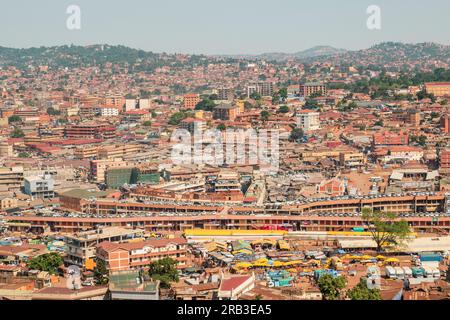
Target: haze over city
<point>217,27</point>
<point>242,152</point>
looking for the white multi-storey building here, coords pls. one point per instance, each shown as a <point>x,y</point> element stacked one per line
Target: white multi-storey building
<point>308,120</point>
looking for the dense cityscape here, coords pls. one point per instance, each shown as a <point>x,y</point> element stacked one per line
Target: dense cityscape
<point>350,202</point>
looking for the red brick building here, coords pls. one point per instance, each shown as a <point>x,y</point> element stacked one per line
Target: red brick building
<point>90,131</point>
<point>445,123</point>
<point>390,139</point>
<point>444,159</point>
<point>191,100</point>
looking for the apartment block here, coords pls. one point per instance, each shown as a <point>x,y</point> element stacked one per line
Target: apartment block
<point>98,167</point>
<point>192,125</point>
<point>226,112</point>
<point>390,139</point>
<point>90,131</point>
<point>11,178</point>
<point>136,255</point>
<point>83,245</point>
<point>438,89</point>
<point>263,88</point>
<point>39,187</point>
<point>310,88</point>
<point>190,100</point>
<point>308,120</point>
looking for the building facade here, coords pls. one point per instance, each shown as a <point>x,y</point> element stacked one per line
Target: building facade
<point>137,255</point>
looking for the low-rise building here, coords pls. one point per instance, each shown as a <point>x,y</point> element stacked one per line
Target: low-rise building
<point>136,255</point>
<point>39,187</point>
<point>83,245</point>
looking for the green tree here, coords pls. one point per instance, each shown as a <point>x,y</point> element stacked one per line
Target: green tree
<point>316,94</point>
<point>255,96</point>
<point>276,98</point>
<point>24,155</point>
<point>17,133</point>
<point>147,123</point>
<point>53,112</point>
<point>221,127</point>
<point>14,118</point>
<point>49,262</point>
<point>352,105</point>
<point>420,140</point>
<point>361,292</point>
<point>101,272</point>
<point>384,227</point>
<point>283,109</point>
<point>311,104</point>
<point>331,287</point>
<point>296,135</point>
<point>164,270</point>
<point>265,115</point>
<point>283,93</point>
<point>177,117</point>
<point>379,123</point>
<point>247,105</point>
<point>206,105</point>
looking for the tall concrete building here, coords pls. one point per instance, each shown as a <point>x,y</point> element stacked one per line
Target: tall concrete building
<point>225,94</point>
<point>308,120</point>
<point>263,88</point>
<point>190,100</point>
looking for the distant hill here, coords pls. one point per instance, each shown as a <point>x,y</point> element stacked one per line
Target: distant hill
<point>280,56</point>
<point>395,55</point>
<point>95,55</point>
<point>390,55</point>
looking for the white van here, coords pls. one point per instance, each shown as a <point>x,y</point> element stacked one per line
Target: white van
<point>399,273</point>
<point>390,272</point>
<point>407,272</point>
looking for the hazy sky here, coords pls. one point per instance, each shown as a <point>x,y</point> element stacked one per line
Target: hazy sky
<point>225,26</point>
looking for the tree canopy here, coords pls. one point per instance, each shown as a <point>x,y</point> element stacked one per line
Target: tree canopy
<point>164,270</point>
<point>255,96</point>
<point>296,135</point>
<point>265,115</point>
<point>331,287</point>
<point>283,109</point>
<point>53,112</point>
<point>362,292</point>
<point>14,118</point>
<point>384,227</point>
<point>17,133</point>
<point>206,105</point>
<point>49,262</point>
<point>101,273</point>
<point>177,117</point>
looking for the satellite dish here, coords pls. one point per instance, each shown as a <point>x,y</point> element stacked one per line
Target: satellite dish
<point>73,270</point>
<point>74,279</point>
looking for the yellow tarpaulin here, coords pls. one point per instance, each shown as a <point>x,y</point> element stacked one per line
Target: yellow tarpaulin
<point>243,265</point>
<point>283,245</point>
<point>278,264</point>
